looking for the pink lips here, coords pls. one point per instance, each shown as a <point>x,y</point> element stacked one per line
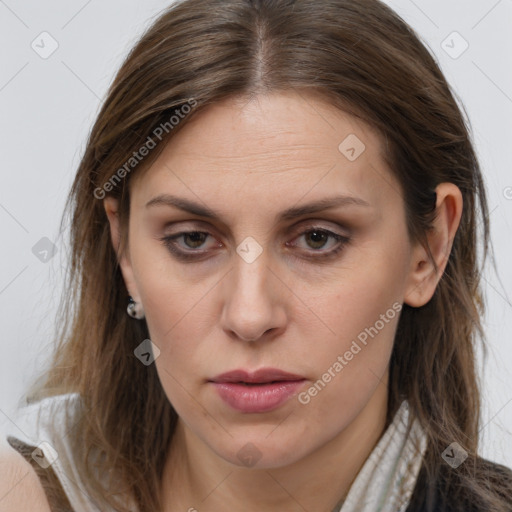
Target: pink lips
<point>260,391</point>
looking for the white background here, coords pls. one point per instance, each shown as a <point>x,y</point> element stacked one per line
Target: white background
<point>47,108</point>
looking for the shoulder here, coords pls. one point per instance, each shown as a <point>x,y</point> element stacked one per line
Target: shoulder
<point>20,487</point>
<point>41,424</point>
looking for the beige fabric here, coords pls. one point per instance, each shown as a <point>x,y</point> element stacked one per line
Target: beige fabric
<point>386,481</point>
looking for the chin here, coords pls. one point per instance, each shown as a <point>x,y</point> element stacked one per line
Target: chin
<point>261,452</point>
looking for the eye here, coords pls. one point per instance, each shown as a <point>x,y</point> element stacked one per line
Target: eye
<point>196,239</point>
<point>192,240</point>
<point>317,238</point>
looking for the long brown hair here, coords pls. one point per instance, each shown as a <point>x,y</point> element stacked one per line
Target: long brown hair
<point>362,58</point>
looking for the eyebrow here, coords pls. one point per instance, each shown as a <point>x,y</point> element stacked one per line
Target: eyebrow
<point>291,213</point>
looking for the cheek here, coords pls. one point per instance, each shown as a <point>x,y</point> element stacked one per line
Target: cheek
<point>172,304</point>
<point>177,318</point>
<point>176,325</point>
<point>364,290</point>
<point>167,291</point>
<point>348,368</point>
<point>359,317</point>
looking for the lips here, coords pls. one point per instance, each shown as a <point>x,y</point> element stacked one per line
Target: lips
<point>255,392</point>
<point>262,376</point>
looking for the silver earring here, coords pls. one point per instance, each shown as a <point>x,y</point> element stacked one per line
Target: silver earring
<point>135,309</point>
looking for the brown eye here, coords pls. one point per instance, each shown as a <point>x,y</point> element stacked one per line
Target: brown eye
<point>192,240</point>
<point>196,239</point>
<point>318,238</point>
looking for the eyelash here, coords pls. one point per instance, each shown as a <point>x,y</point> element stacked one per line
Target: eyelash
<point>170,244</point>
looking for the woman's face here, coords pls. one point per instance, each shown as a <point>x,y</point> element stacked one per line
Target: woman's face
<point>300,300</point>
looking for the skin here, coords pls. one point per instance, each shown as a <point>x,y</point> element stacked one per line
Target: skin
<point>20,487</point>
<point>288,309</point>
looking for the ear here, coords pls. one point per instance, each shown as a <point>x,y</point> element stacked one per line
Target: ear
<point>111,206</point>
<point>423,278</point>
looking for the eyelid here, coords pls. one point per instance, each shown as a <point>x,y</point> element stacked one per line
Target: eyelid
<point>321,224</point>
<point>298,228</point>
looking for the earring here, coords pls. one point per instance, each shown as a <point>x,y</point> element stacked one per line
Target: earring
<point>134,309</point>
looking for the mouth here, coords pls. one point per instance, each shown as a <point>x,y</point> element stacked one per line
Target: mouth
<point>259,377</point>
<point>256,392</point>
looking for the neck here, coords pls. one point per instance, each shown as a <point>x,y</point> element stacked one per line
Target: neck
<point>195,478</point>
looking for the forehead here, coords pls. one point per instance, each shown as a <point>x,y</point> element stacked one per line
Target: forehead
<point>270,148</point>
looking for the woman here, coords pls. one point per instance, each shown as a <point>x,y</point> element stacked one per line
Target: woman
<point>274,293</point>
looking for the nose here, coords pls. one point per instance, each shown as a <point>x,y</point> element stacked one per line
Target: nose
<point>254,307</point>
